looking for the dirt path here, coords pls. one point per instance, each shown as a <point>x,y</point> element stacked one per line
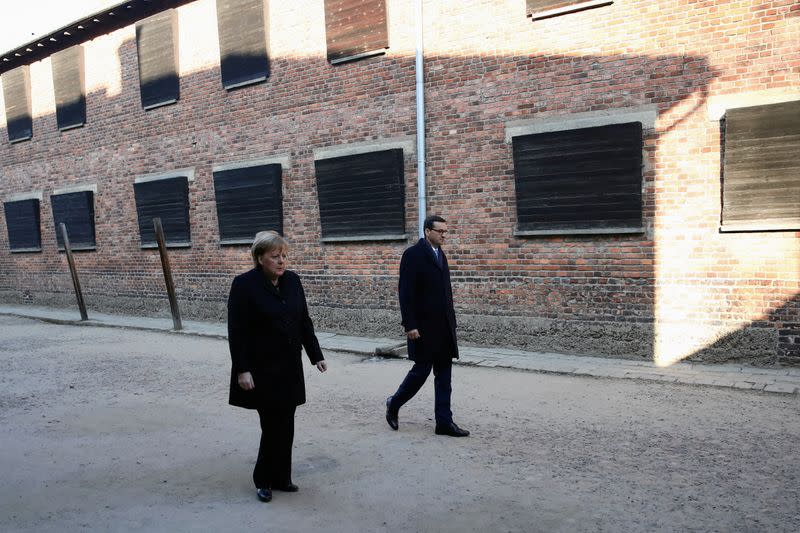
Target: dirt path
<point>114,430</point>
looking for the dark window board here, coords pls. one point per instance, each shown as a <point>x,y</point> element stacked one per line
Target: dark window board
<point>243,37</point>
<point>249,199</point>
<point>167,199</point>
<point>361,195</point>
<point>585,180</point>
<point>355,29</point>
<point>23,225</point>
<point>760,170</point>
<point>76,211</point>
<point>17,97</point>
<point>69,88</point>
<point>157,47</point>
<point>542,9</point>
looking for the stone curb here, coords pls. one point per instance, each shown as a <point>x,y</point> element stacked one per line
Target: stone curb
<point>768,380</point>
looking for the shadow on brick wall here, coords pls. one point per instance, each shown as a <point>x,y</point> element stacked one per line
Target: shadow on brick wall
<point>774,338</point>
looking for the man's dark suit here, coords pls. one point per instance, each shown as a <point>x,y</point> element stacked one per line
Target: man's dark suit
<point>426,304</point>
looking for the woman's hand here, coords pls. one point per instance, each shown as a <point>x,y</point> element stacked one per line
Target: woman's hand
<point>246,381</point>
<point>322,366</point>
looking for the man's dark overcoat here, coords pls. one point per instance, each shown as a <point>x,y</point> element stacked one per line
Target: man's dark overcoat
<point>266,329</point>
<point>426,304</point>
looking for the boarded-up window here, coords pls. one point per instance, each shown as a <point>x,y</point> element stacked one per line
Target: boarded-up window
<point>22,223</point>
<point>538,9</point>
<point>76,211</point>
<point>761,169</point>
<point>157,46</point>
<point>167,199</point>
<point>249,200</point>
<point>243,33</point>
<point>583,179</point>
<point>68,83</point>
<point>17,96</point>
<point>355,29</point>
<point>362,195</point>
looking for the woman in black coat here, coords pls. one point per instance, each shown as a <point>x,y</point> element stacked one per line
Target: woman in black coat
<point>268,323</point>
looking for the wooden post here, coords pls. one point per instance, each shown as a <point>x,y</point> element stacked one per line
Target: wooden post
<point>173,300</point>
<point>73,271</point>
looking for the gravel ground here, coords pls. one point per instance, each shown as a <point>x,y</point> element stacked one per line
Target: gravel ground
<point>114,430</point>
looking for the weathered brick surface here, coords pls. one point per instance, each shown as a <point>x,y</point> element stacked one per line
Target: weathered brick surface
<point>681,289</point>
<point>789,342</point>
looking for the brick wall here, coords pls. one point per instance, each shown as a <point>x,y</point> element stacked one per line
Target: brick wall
<point>680,290</point>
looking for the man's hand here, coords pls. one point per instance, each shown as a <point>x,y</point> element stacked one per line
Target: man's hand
<point>322,366</point>
<point>246,381</point>
<point>413,334</point>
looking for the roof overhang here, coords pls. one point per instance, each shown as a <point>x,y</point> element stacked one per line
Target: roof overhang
<point>103,22</point>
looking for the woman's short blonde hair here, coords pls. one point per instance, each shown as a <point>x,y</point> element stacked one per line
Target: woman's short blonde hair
<point>266,241</point>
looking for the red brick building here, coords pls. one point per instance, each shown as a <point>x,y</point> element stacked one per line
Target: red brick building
<point>619,177</point>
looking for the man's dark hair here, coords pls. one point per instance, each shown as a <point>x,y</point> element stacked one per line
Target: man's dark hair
<point>430,219</point>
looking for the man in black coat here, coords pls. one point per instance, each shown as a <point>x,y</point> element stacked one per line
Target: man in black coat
<point>426,306</point>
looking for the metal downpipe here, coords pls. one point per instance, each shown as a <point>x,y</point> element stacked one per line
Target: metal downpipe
<point>420,96</point>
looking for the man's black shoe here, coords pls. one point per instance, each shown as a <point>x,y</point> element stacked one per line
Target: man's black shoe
<point>288,487</point>
<point>265,495</point>
<point>391,416</point>
<point>451,430</point>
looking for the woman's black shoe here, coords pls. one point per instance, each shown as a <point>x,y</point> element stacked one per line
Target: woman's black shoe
<point>265,495</point>
<point>289,487</point>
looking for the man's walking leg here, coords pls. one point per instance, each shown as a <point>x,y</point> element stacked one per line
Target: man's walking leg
<point>443,371</point>
<point>442,386</point>
<point>413,381</point>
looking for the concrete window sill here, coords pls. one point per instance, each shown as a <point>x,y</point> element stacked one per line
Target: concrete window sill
<point>365,238</point>
<point>169,245</point>
<point>589,4</point>
<point>586,231</point>
<point>25,250</point>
